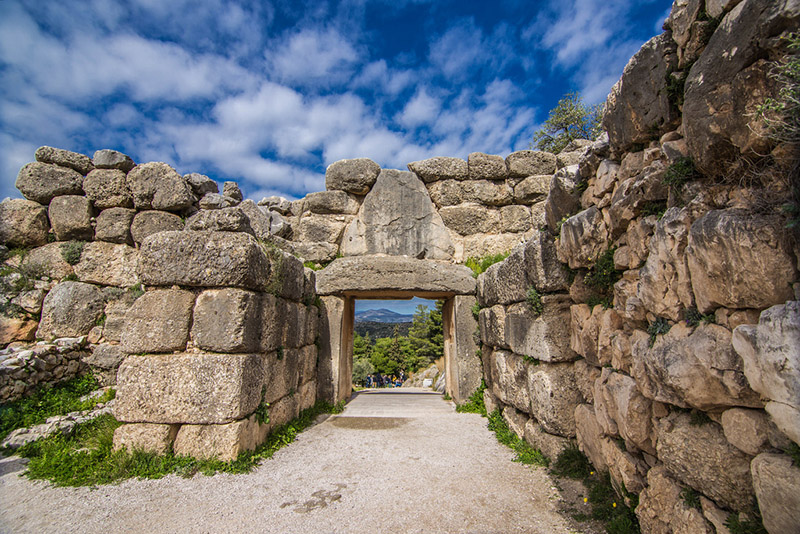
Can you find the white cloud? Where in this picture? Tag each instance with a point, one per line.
(313, 56)
(421, 109)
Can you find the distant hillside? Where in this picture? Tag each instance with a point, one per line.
(378, 330)
(382, 316)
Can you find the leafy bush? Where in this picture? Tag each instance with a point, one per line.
(571, 119)
(71, 251)
(479, 265)
(475, 403)
(602, 275)
(534, 300)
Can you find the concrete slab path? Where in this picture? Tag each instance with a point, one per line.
(396, 461)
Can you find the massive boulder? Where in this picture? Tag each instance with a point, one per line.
(108, 188)
(563, 199)
(352, 175)
(526, 163)
(149, 222)
(638, 106)
(486, 167)
(439, 168)
(398, 218)
(157, 186)
(107, 264)
(41, 182)
(158, 322)
(622, 410)
(70, 309)
(545, 336)
(584, 237)
(554, 395)
(71, 218)
(23, 223)
(662, 509)
(776, 480)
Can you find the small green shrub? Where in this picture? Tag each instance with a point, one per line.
(476, 311)
(136, 291)
(793, 450)
(676, 86)
(602, 275)
(699, 418)
(279, 352)
(680, 172)
(657, 208)
(690, 498)
(479, 265)
(694, 317)
(71, 277)
(572, 463)
(658, 327)
(605, 301)
(262, 412)
(749, 525)
(524, 453)
(534, 300)
(475, 403)
(71, 251)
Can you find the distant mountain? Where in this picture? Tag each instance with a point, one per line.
(382, 316)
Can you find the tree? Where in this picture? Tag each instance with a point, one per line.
(571, 119)
(362, 351)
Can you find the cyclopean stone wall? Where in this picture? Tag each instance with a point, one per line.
(689, 379)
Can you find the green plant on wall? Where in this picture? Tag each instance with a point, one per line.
(534, 300)
(571, 119)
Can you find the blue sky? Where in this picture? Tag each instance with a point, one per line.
(270, 93)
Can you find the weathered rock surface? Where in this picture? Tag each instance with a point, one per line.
(104, 361)
(158, 321)
(747, 430)
(203, 259)
(231, 190)
(41, 182)
(111, 159)
(562, 198)
(590, 436)
(504, 282)
(331, 202)
(542, 268)
(493, 326)
(486, 167)
(771, 355)
(201, 184)
(70, 309)
(71, 218)
(114, 225)
(146, 223)
(107, 264)
(544, 337)
(220, 442)
(398, 218)
(145, 437)
(49, 260)
(221, 220)
(228, 320)
(394, 273)
(638, 104)
(738, 260)
(526, 163)
(776, 481)
(440, 168)
(622, 410)
(194, 388)
(454, 192)
(23, 223)
(662, 509)
(700, 456)
(108, 188)
(64, 158)
(313, 228)
(532, 188)
(510, 379)
(633, 195)
(352, 175)
(551, 446)
(470, 218)
(584, 238)
(693, 368)
(157, 186)
(554, 395)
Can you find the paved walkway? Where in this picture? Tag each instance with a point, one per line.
(395, 461)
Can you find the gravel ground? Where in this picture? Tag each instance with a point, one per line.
(390, 463)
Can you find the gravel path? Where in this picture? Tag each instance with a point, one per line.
(392, 462)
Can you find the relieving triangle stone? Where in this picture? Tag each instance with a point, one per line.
(398, 218)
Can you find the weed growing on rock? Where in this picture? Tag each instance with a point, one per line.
(602, 275)
(658, 327)
(680, 172)
(698, 418)
(475, 403)
(690, 498)
(476, 310)
(605, 301)
(657, 208)
(793, 450)
(747, 525)
(572, 463)
(534, 300)
(71, 251)
(694, 317)
(479, 265)
(525, 453)
(136, 291)
(45, 402)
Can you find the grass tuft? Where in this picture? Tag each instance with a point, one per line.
(524, 453)
(479, 265)
(572, 463)
(475, 403)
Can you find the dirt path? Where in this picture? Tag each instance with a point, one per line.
(399, 462)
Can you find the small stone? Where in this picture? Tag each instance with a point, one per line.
(111, 159)
(64, 158)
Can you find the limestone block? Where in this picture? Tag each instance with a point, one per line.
(583, 332)
(281, 373)
(480, 245)
(533, 188)
(554, 395)
(626, 297)
(316, 252)
(318, 228)
(510, 379)
(625, 469)
(639, 99)
(70, 309)
(352, 175)
(397, 273)
(108, 264)
(307, 364)
(41, 182)
(525, 163)
(204, 259)
(48, 260)
(23, 223)
(776, 481)
(104, 361)
(489, 401)
(306, 396)
(665, 288)
(747, 430)
(284, 410)
(108, 188)
(147, 223)
(111, 159)
(158, 321)
(505, 282)
(330, 358)
(544, 337)
(464, 368)
(515, 420)
(470, 218)
(227, 320)
(331, 202)
(724, 89)
(542, 268)
(566, 157)
(31, 300)
(64, 158)
(549, 445)
(71, 218)
(114, 225)
(219, 442)
(515, 218)
(584, 238)
(293, 323)
(398, 218)
(492, 321)
(562, 198)
(634, 194)
(701, 457)
(116, 309)
(214, 201)
(446, 192)
(156, 186)
(222, 220)
(17, 329)
(439, 168)
(145, 437)
(287, 277)
(454, 192)
(196, 388)
(662, 510)
(638, 237)
(585, 377)
(606, 177)
(695, 368)
(715, 8)
(622, 410)
(771, 355)
(590, 437)
(486, 167)
(231, 190)
(740, 260)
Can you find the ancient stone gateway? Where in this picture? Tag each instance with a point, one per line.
(398, 277)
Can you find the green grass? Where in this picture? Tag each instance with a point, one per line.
(690, 498)
(86, 458)
(479, 265)
(45, 402)
(475, 403)
(525, 454)
(680, 172)
(694, 317)
(572, 463)
(750, 525)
